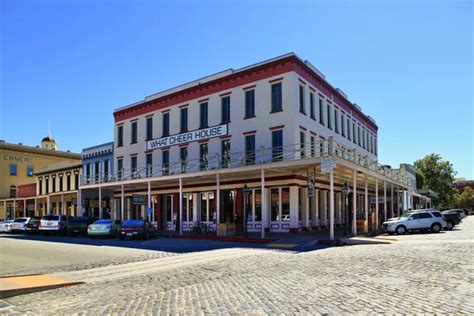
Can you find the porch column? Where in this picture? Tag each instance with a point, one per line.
(305, 208)
(294, 220)
(264, 203)
(100, 203)
(331, 205)
(384, 200)
(5, 209)
(366, 206)
(398, 201)
(196, 205)
(354, 202)
(315, 209)
(180, 205)
(376, 203)
(24, 207)
(218, 201)
(122, 205)
(391, 200)
(148, 205)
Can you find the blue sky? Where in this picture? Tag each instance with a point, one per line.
(407, 63)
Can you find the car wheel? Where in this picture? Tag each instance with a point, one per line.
(449, 225)
(401, 230)
(436, 228)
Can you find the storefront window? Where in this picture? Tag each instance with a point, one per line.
(275, 203)
(258, 205)
(285, 204)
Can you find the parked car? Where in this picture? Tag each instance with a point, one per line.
(452, 219)
(6, 226)
(104, 228)
(78, 225)
(416, 220)
(460, 212)
(53, 224)
(137, 228)
(32, 227)
(467, 211)
(19, 224)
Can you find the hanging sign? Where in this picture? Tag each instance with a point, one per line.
(139, 199)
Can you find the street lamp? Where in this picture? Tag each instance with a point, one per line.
(345, 193)
(246, 192)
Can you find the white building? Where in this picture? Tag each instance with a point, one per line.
(267, 126)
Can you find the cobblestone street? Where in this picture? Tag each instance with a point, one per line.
(418, 273)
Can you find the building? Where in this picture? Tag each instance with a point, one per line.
(278, 127)
(18, 166)
(97, 166)
(462, 183)
(411, 199)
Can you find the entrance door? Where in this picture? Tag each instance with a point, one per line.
(280, 209)
(254, 210)
(188, 214)
(208, 211)
(228, 206)
(169, 221)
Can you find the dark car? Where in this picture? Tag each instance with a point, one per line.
(33, 225)
(137, 228)
(452, 219)
(467, 211)
(78, 225)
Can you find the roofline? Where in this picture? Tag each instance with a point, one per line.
(40, 151)
(97, 146)
(60, 168)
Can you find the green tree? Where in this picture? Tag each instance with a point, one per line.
(466, 198)
(437, 175)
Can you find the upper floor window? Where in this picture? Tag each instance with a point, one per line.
(329, 116)
(29, 171)
(277, 97)
(358, 135)
(53, 184)
(250, 149)
(133, 165)
(76, 181)
(120, 136)
(203, 115)
(183, 156)
(46, 185)
(336, 121)
(149, 164)
(203, 156)
(225, 109)
(165, 162)
(106, 169)
(184, 120)
(302, 100)
(61, 184)
(149, 128)
(249, 103)
(166, 124)
(120, 168)
(68, 182)
(375, 146)
(40, 186)
(302, 144)
(349, 129)
(311, 106)
(13, 192)
(343, 125)
(321, 111)
(225, 152)
(13, 170)
(134, 136)
(277, 145)
(354, 134)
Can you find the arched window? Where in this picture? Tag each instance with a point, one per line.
(13, 191)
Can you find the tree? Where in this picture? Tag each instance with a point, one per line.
(466, 198)
(438, 176)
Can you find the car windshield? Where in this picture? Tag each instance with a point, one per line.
(103, 221)
(133, 223)
(79, 220)
(51, 218)
(406, 215)
(20, 220)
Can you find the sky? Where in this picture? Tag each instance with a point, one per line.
(408, 64)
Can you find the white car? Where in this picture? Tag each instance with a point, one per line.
(6, 226)
(53, 223)
(415, 220)
(19, 224)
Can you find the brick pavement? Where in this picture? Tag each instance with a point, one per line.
(422, 273)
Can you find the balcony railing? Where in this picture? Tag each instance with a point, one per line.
(326, 148)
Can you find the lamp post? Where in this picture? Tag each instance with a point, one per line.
(246, 192)
(345, 193)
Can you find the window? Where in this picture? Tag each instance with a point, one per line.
(68, 182)
(375, 146)
(225, 152)
(363, 138)
(149, 128)
(249, 103)
(40, 186)
(277, 145)
(13, 170)
(106, 170)
(46, 185)
(88, 173)
(311, 106)
(134, 132)
(358, 135)
(313, 146)
(183, 156)
(343, 125)
(165, 162)
(250, 149)
(184, 120)
(354, 135)
(166, 124)
(302, 103)
(76, 181)
(275, 204)
(119, 169)
(302, 144)
(321, 111)
(149, 164)
(280, 204)
(329, 116)
(13, 192)
(366, 140)
(29, 171)
(60, 184)
(349, 129)
(277, 102)
(120, 136)
(203, 159)
(133, 166)
(53, 184)
(336, 121)
(225, 108)
(203, 114)
(97, 171)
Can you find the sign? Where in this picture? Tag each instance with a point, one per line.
(17, 159)
(139, 199)
(200, 134)
(311, 186)
(327, 164)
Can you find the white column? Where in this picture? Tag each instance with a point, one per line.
(48, 206)
(354, 202)
(264, 203)
(331, 205)
(122, 205)
(398, 201)
(196, 205)
(218, 201)
(376, 203)
(101, 215)
(366, 206)
(294, 220)
(384, 200)
(148, 205)
(391, 200)
(180, 205)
